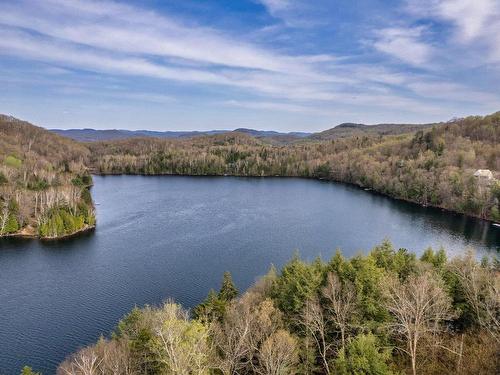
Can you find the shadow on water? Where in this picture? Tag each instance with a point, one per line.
(473, 230)
(76, 242)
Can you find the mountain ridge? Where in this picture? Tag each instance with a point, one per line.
(339, 131)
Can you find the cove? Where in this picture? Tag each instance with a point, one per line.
(160, 237)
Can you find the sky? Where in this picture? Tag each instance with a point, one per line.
(280, 65)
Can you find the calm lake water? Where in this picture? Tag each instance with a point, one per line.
(160, 237)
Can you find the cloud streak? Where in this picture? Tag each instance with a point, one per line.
(133, 43)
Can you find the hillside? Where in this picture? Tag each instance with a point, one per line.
(351, 129)
(432, 167)
(93, 135)
(43, 182)
(44, 179)
(340, 131)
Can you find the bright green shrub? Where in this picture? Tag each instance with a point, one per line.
(13, 162)
(363, 356)
(12, 225)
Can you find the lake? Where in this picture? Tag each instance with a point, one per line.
(160, 237)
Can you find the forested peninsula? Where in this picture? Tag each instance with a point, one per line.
(45, 178)
(44, 183)
(385, 313)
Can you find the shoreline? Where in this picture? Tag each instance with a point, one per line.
(89, 228)
(32, 236)
(365, 188)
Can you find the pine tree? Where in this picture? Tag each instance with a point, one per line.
(228, 290)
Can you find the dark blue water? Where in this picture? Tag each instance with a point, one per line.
(160, 237)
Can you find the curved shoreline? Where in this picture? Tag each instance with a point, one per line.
(89, 228)
(366, 188)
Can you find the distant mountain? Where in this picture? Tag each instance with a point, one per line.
(93, 135)
(349, 129)
(271, 133)
(340, 131)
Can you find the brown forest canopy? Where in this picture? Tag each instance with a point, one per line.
(431, 166)
(43, 181)
(44, 177)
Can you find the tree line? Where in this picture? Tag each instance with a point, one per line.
(432, 167)
(44, 178)
(384, 313)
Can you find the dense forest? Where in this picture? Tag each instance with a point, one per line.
(44, 183)
(44, 178)
(432, 166)
(384, 313)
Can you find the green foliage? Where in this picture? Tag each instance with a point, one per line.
(86, 196)
(84, 180)
(214, 306)
(12, 161)
(38, 184)
(367, 280)
(228, 290)
(322, 171)
(363, 356)
(12, 225)
(221, 338)
(137, 330)
(211, 309)
(28, 371)
(297, 282)
(3, 179)
(60, 221)
(438, 259)
(401, 262)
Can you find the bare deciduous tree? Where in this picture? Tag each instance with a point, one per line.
(84, 362)
(278, 354)
(481, 287)
(419, 306)
(315, 323)
(247, 323)
(342, 303)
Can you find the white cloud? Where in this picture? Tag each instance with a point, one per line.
(121, 40)
(275, 6)
(476, 23)
(127, 29)
(405, 44)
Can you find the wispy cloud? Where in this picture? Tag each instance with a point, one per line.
(276, 6)
(126, 42)
(127, 29)
(476, 24)
(405, 44)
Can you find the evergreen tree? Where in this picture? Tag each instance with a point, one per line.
(212, 308)
(363, 357)
(228, 290)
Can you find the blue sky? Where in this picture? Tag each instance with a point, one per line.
(266, 64)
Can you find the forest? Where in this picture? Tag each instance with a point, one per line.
(382, 313)
(44, 182)
(433, 166)
(44, 178)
